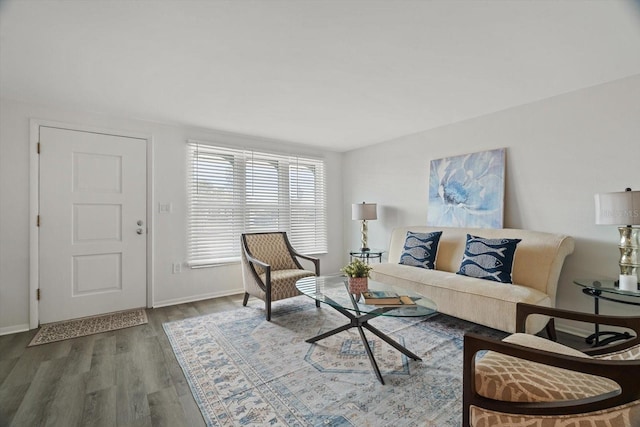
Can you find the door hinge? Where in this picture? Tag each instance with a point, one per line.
(38, 221)
(38, 294)
(38, 148)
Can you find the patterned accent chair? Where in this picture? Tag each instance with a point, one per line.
(529, 381)
(270, 268)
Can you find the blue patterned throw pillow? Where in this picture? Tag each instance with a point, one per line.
(490, 259)
(420, 249)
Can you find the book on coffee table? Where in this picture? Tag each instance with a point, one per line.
(386, 298)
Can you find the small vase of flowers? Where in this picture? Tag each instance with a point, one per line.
(358, 273)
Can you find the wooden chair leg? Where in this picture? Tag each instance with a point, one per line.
(550, 329)
(267, 307)
(246, 299)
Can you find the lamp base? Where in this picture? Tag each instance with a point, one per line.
(629, 257)
(363, 239)
(627, 282)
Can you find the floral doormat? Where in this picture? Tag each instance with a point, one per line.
(245, 371)
(52, 332)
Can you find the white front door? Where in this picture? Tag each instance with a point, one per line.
(92, 234)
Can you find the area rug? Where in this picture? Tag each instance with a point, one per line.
(52, 332)
(244, 371)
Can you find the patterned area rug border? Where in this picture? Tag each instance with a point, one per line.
(75, 328)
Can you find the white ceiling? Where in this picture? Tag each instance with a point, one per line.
(332, 74)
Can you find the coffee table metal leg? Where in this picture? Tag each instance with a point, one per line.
(365, 343)
(356, 321)
(329, 333)
(359, 322)
(391, 342)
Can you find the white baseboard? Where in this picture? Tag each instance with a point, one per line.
(175, 301)
(14, 329)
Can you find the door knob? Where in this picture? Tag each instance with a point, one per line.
(139, 231)
(140, 222)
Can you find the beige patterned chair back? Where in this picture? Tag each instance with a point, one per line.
(530, 381)
(272, 249)
(511, 379)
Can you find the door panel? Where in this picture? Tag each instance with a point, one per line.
(93, 274)
(92, 197)
(97, 223)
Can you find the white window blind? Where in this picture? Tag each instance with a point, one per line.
(232, 191)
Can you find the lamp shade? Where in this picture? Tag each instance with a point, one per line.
(620, 208)
(364, 211)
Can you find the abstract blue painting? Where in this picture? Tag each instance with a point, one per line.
(467, 190)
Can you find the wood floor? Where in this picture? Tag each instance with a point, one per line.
(128, 377)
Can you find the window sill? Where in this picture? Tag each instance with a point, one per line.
(213, 263)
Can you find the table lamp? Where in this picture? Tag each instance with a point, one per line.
(363, 212)
(623, 209)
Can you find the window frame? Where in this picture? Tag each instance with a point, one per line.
(290, 211)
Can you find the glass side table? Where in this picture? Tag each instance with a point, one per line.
(366, 255)
(608, 291)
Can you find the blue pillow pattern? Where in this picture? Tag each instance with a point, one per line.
(420, 249)
(490, 259)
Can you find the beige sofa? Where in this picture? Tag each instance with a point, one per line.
(536, 269)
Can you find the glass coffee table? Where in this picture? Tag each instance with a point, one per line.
(333, 291)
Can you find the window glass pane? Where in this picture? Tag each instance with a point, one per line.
(307, 197)
(262, 196)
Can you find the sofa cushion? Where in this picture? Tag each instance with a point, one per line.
(420, 249)
(490, 259)
(481, 301)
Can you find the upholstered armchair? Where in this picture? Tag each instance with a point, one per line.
(270, 268)
(527, 380)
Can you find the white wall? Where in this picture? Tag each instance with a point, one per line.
(559, 153)
(169, 144)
